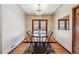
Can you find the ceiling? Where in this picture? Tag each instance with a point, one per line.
(47, 9)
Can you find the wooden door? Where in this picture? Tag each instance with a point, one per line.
(75, 30)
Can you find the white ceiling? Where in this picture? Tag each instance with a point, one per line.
(47, 9)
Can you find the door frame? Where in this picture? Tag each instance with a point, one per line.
(73, 26)
(39, 21)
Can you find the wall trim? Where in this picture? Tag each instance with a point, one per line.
(73, 27)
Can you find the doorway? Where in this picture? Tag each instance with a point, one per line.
(75, 28)
(39, 27)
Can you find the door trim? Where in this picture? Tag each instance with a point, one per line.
(73, 26)
(40, 20)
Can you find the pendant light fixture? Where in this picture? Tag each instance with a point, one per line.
(39, 11)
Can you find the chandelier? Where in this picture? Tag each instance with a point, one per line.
(39, 11)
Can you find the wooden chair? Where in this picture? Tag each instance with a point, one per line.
(28, 35)
(49, 36)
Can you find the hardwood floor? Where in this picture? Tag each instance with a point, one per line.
(24, 47)
(20, 49)
(58, 49)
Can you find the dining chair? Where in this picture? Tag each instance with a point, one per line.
(50, 33)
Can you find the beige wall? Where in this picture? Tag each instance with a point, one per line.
(64, 37)
(49, 18)
(14, 26)
(0, 29)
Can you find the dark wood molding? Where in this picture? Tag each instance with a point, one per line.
(73, 25)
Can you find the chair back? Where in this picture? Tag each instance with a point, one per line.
(49, 35)
(29, 33)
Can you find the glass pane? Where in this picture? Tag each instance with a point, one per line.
(36, 32)
(36, 27)
(43, 32)
(43, 24)
(36, 24)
